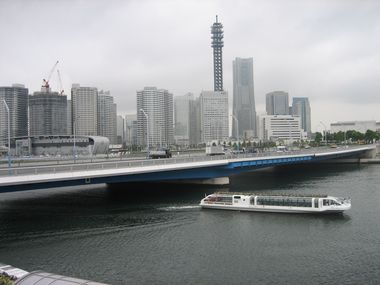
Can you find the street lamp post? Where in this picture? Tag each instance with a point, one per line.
(237, 130)
(345, 139)
(129, 138)
(74, 133)
(74, 147)
(9, 138)
(325, 131)
(159, 127)
(147, 131)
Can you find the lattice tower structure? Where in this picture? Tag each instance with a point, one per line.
(217, 45)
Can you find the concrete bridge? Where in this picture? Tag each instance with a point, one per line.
(197, 169)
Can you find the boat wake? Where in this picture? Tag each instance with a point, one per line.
(179, 208)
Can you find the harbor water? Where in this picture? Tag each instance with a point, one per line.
(157, 234)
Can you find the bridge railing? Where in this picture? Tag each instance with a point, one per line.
(78, 167)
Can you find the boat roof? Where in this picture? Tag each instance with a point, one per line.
(273, 194)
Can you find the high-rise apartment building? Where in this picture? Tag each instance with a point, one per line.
(182, 118)
(213, 115)
(217, 45)
(47, 113)
(244, 108)
(84, 101)
(157, 121)
(16, 98)
(120, 130)
(301, 108)
(277, 103)
(106, 116)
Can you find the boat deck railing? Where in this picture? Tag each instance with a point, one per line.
(273, 194)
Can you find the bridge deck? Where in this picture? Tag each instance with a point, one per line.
(199, 167)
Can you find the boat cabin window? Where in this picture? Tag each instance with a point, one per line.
(219, 200)
(285, 201)
(237, 197)
(328, 202)
(316, 203)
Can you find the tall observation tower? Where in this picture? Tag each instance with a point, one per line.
(217, 45)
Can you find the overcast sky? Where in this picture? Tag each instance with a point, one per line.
(328, 50)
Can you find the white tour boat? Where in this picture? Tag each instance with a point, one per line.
(283, 203)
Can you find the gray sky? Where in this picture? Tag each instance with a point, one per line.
(328, 50)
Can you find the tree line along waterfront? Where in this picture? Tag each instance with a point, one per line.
(349, 136)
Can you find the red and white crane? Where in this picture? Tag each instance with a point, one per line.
(45, 82)
(61, 91)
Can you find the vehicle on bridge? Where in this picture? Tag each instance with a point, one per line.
(282, 203)
(215, 150)
(160, 153)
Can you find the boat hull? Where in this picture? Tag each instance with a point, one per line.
(295, 210)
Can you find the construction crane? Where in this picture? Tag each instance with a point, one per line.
(60, 83)
(45, 82)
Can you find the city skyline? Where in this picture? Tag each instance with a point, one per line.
(328, 52)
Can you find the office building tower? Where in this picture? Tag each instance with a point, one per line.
(195, 123)
(284, 128)
(213, 115)
(277, 103)
(16, 98)
(157, 122)
(120, 130)
(106, 116)
(131, 130)
(244, 109)
(47, 113)
(84, 102)
(301, 108)
(69, 118)
(182, 119)
(217, 45)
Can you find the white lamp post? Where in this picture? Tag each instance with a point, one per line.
(147, 131)
(9, 138)
(74, 132)
(325, 131)
(237, 130)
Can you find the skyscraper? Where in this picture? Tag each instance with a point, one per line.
(120, 132)
(195, 122)
(84, 102)
(217, 45)
(158, 106)
(277, 103)
(244, 100)
(301, 108)
(213, 115)
(47, 113)
(16, 98)
(106, 116)
(182, 118)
